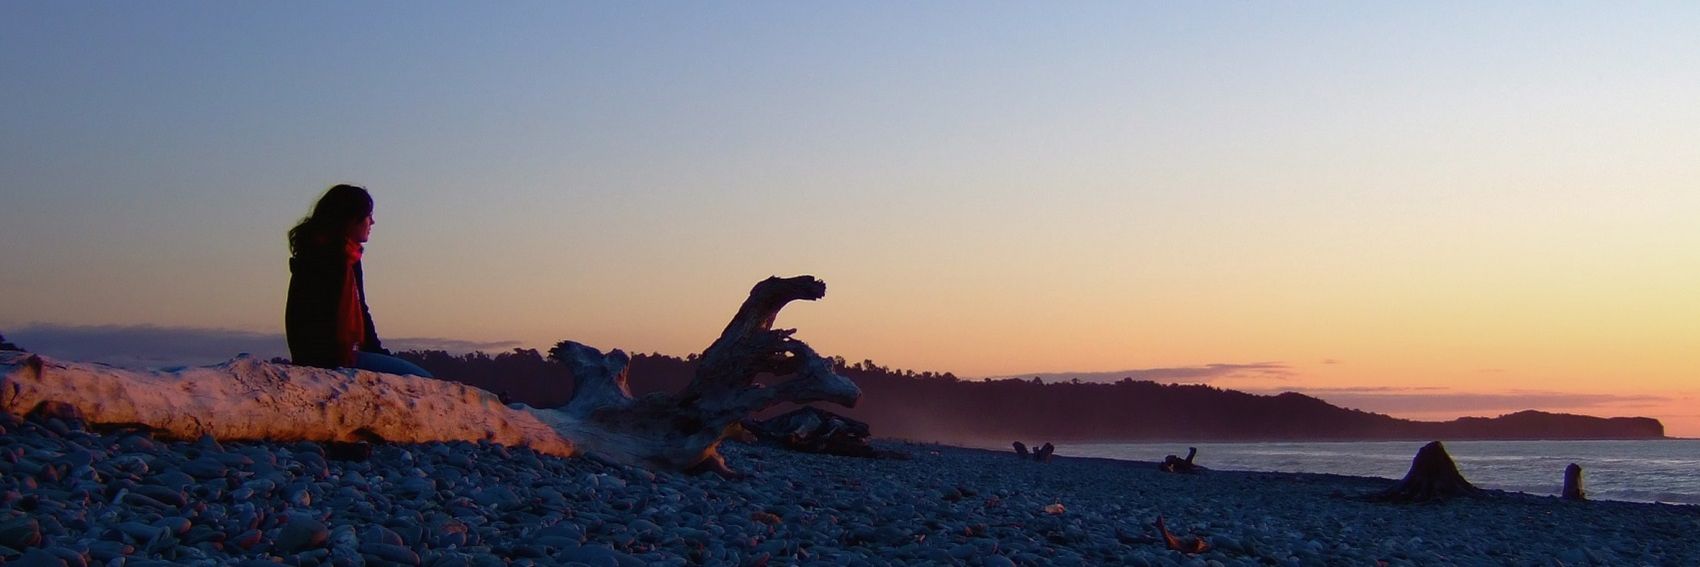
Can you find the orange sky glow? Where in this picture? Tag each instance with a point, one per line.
(1429, 211)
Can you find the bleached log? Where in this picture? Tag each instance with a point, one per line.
(250, 399)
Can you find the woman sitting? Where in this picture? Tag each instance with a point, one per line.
(326, 318)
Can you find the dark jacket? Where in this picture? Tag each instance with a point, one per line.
(316, 276)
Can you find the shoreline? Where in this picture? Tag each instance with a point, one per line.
(1376, 482)
(1648, 471)
(134, 500)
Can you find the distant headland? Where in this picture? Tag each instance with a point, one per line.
(932, 406)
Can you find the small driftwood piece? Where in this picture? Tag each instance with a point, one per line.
(1573, 483)
(1021, 450)
(1433, 477)
(1043, 454)
(809, 429)
(1175, 464)
(1190, 544)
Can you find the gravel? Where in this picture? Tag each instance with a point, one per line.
(69, 496)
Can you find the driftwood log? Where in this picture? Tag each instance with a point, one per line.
(684, 430)
(1175, 464)
(1043, 453)
(249, 399)
(1433, 477)
(1573, 483)
(809, 429)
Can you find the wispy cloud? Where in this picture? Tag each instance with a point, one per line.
(1397, 400)
(450, 345)
(150, 346)
(1204, 373)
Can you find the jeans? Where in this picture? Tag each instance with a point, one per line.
(387, 364)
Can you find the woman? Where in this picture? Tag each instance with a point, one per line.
(326, 318)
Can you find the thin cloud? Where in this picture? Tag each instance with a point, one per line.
(1203, 373)
(450, 345)
(1367, 389)
(151, 346)
(146, 346)
(1439, 400)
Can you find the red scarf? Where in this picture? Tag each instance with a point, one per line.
(351, 318)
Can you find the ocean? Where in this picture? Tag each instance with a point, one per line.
(1637, 471)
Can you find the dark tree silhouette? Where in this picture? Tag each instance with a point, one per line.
(935, 406)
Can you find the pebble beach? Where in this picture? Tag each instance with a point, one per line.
(76, 497)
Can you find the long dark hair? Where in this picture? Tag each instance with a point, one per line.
(340, 207)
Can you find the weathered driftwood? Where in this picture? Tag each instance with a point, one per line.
(1043, 453)
(1175, 464)
(1189, 544)
(1433, 476)
(813, 430)
(248, 399)
(1573, 483)
(684, 430)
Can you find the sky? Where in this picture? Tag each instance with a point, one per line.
(1427, 210)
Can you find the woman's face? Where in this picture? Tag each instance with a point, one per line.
(361, 231)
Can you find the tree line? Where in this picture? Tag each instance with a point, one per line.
(939, 406)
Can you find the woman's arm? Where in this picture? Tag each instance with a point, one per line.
(370, 342)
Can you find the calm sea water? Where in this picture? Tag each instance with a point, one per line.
(1637, 471)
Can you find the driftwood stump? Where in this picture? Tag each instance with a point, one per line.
(1573, 483)
(684, 430)
(1175, 464)
(1433, 477)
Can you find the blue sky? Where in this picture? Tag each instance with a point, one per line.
(1422, 191)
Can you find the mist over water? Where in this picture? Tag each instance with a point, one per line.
(1636, 471)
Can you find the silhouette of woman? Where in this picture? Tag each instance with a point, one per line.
(326, 318)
